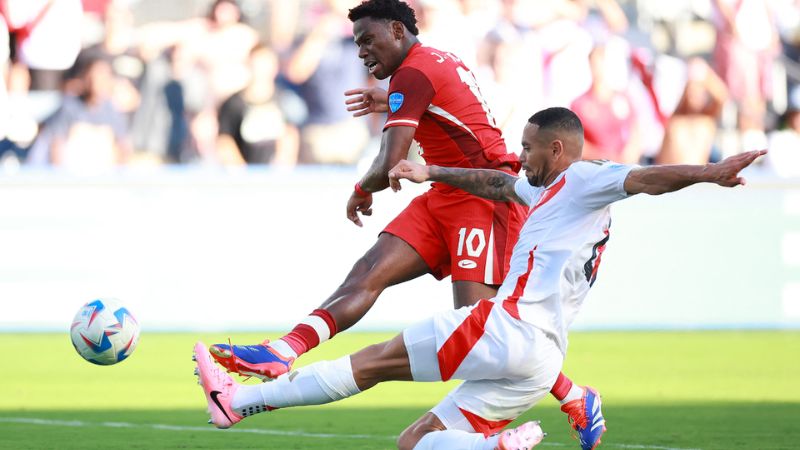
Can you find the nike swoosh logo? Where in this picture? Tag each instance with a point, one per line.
(214, 395)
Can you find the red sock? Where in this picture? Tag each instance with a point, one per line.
(315, 329)
(562, 387)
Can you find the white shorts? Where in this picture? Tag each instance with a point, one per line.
(508, 365)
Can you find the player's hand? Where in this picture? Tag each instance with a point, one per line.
(358, 204)
(363, 101)
(408, 170)
(726, 172)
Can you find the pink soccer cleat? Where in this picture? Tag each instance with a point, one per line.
(524, 437)
(218, 387)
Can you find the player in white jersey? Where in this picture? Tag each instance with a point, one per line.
(508, 349)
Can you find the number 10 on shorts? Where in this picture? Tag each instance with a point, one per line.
(472, 240)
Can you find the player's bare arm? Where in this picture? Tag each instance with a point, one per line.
(363, 101)
(486, 183)
(657, 180)
(394, 147)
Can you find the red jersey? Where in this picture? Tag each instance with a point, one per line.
(437, 94)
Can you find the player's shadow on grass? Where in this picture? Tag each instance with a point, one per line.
(763, 426)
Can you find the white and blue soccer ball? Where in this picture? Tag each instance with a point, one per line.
(104, 332)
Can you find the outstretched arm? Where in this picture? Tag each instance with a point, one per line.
(657, 180)
(486, 183)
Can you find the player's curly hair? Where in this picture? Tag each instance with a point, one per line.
(557, 118)
(386, 9)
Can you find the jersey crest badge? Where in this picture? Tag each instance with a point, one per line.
(395, 101)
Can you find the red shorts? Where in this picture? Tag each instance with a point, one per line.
(461, 235)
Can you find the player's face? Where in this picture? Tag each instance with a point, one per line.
(380, 45)
(535, 156)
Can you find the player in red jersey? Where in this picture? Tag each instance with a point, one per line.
(433, 98)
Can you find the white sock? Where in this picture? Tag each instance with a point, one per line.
(575, 393)
(318, 383)
(456, 439)
(283, 348)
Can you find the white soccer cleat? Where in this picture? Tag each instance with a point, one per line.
(524, 437)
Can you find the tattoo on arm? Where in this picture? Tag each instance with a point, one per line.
(486, 183)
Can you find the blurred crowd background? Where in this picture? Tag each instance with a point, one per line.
(94, 85)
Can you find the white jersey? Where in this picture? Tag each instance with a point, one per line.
(556, 258)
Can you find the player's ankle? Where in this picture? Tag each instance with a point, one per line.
(283, 348)
(575, 393)
(316, 328)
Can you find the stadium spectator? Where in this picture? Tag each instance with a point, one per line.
(784, 144)
(160, 127)
(746, 46)
(509, 348)
(47, 37)
(253, 127)
(208, 57)
(434, 99)
(438, 18)
(564, 44)
(224, 47)
(8, 149)
(607, 115)
(510, 75)
(323, 65)
(284, 18)
(692, 128)
(788, 24)
(87, 133)
(20, 123)
(118, 44)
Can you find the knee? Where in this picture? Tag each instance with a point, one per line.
(386, 361)
(407, 440)
(370, 366)
(365, 364)
(411, 436)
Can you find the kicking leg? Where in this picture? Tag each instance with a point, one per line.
(319, 383)
(390, 261)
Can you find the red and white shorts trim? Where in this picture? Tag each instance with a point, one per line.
(508, 365)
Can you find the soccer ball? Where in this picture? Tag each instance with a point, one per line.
(104, 332)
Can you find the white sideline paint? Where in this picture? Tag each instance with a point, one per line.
(158, 426)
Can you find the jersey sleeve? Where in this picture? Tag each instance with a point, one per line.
(410, 94)
(526, 192)
(603, 182)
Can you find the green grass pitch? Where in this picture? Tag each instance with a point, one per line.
(661, 391)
